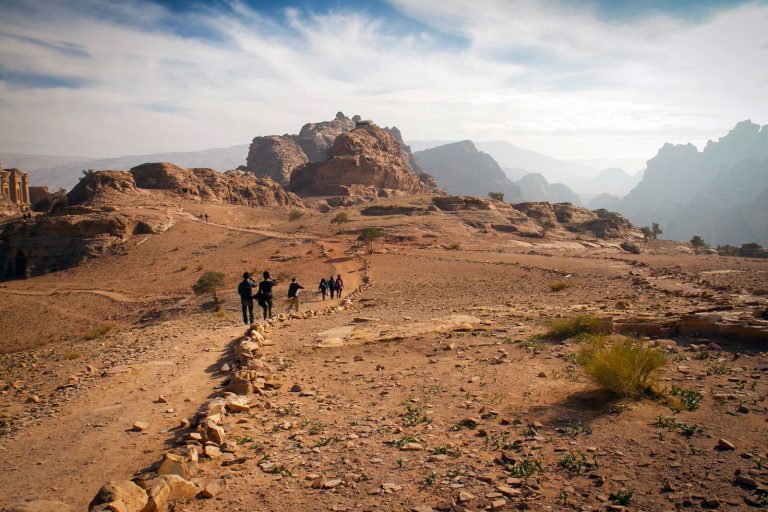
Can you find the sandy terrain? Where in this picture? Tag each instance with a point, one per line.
(438, 351)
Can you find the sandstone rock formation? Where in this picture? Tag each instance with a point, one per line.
(233, 187)
(535, 187)
(54, 242)
(275, 156)
(365, 161)
(534, 219)
(102, 185)
(315, 139)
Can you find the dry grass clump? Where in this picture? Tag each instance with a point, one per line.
(572, 326)
(557, 286)
(97, 332)
(621, 365)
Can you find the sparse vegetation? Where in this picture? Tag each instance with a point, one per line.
(689, 398)
(71, 355)
(496, 196)
(97, 332)
(454, 246)
(340, 218)
(525, 467)
(557, 286)
(656, 230)
(621, 365)
(577, 462)
(368, 236)
(209, 283)
(623, 497)
(295, 215)
(562, 328)
(698, 243)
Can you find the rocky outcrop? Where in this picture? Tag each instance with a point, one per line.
(460, 168)
(275, 156)
(315, 139)
(365, 161)
(410, 158)
(101, 186)
(233, 187)
(55, 242)
(536, 219)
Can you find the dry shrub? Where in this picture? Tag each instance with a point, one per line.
(621, 365)
(97, 332)
(575, 325)
(556, 286)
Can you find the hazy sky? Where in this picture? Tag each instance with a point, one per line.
(572, 79)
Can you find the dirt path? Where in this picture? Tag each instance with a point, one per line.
(115, 296)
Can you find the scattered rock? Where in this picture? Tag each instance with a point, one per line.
(214, 488)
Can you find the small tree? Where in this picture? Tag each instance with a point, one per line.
(295, 215)
(209, 283)
(697, 242)
(647, 233)
(340, 218)
(368, 236)
(656, 230)
(498, 196)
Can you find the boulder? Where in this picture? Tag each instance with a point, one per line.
(179, 488)
(275, 157)
(116, 493)
(175, 464)
(211, 431)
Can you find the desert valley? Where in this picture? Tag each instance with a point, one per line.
(452, 374)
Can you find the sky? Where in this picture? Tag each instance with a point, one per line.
(571, 79)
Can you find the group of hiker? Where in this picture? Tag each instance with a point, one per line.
(263, 295)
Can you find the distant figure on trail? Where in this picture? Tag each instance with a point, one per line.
(339, 285)
(245, 290)
(331, 285)
(206, 217)
(323, 288)
(293, 294)
(264, 296)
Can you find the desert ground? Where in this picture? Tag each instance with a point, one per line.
(432, 387)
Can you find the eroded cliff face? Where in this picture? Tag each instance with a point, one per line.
(315, 139)
(366, 160)
(275, 156)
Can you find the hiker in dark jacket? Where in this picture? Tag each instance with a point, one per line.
(265, 294)
(323, 288)
(339, 285)
(245, 290)
(293, 294)
(331, 285)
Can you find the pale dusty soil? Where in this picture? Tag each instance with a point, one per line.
(79, 435)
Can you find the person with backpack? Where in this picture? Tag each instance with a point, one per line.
(264, 294)
(293, 295)
(245, 290)
(323, 288)
(339, 285)
(331, 285)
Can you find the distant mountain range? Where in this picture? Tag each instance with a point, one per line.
(718, 193)
(460, 168)
(56, 171)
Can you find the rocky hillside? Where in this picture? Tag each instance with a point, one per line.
(459, 168)
(208, 185)
(727, 176)
(367, 161)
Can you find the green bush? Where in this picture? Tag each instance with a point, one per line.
(621, 365)
(209, 283)
(572, 326)
(340, 218)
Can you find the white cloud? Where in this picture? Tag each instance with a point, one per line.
(577, 86)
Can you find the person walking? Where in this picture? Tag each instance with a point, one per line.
(265, 294)
(323, 288)
(245, 290)
(331, 285)
(293, 295)
(339, 285)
